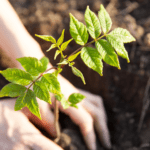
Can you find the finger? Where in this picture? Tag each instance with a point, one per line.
(84, 120)
(99, 122)
(39, 142)
(18, 133)
(47, 122)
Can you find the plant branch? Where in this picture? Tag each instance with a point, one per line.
(56, 114)
(86, 45)
(41, 75)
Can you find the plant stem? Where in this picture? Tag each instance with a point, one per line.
(56, 114)
(87, 45)
(41, 76)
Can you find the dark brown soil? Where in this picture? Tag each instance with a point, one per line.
(122, 90)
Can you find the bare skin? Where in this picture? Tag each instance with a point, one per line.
(16, 42)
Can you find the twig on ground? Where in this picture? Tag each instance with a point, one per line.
(146, 102)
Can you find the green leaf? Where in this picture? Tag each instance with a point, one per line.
(65, 44)
(32, 103)
(64, 62)
(93, 24)
(73, 57)
(105, 20)
(51, 82)
(92, 59)
(17, 76)
(107, 52)
(76, 98)
(61, 39)
(63, 101)
(41, 91)
(118, 46)
(51, 47)
(74, 105)
(20, 102)
(12, 90)
(78, 73)
(45, 62)
(78, 31)
(56, 54)
(121, 35)
(56, 72)
(47, 38)
(28, 99)
(31, 65)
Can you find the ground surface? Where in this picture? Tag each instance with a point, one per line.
(122, 90)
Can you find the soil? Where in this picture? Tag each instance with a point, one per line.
(124, 91)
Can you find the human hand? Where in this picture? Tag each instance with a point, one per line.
(18, 133)
(90, 113)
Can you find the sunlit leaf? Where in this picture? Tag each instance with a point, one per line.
(44, 62)
(76, 98)
(78, 31)
(61, 39)
(107, 52)
(51, 82)
(32, 103)
(74, 56)
(78, 73)
(41, 91)
(121, 35)
(51, 47)
(17, 76)
(56, 54)
(64, 62)
(92, 59)
(65, 44)
(92, 22)
(12, 90)
(105, 20)
(63, 101)
(118, 46)
(47, 38)
(31, 65)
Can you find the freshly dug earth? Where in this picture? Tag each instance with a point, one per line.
(123, 90)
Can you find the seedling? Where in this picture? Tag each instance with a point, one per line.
(34, 81)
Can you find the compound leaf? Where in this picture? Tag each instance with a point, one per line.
(51, 82)
(92, 59)
(44, 62)
(93, 24)
(105, 20)
(107, 52)
(74, 56)
(41, 91)
(65, 44)
(122, 35)
(12, 90)
(118, 46)
(31, 65)
(78, 31)
(17, 76)
(61, 39)
(76, 98)
(78, 73)
(47, 38)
